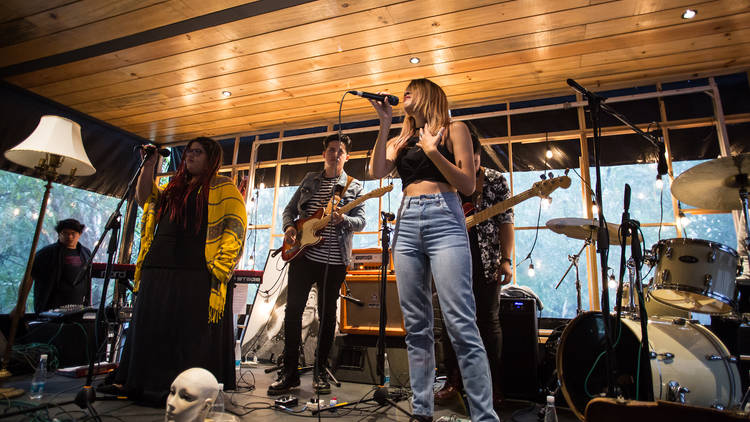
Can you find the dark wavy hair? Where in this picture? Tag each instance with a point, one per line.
(175, 196)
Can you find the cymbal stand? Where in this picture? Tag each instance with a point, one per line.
(574, 263)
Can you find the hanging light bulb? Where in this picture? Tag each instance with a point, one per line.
(531, 271)
(612, 283)
(659, 184)
(548, 154)
(251, 262)
(546, 203)
(594, 208)
(262, 185)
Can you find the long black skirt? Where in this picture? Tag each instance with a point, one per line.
(170, 333)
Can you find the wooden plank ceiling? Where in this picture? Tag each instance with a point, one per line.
(157, 68)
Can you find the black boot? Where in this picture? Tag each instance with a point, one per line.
(286, 382)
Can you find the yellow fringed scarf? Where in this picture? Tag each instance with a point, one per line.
(227, 221)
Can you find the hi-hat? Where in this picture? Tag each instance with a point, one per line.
(714, 184)
(583, 228)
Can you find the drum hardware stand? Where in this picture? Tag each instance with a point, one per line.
(574, 263)
(741, 181)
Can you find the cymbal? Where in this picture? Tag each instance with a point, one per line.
(583, 228)
(714, 184)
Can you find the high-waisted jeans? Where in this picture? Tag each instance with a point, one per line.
(431, 242)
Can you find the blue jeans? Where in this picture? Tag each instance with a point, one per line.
(431, 242)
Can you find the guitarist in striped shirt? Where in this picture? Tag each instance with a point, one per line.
(491, 245)
(309, 266)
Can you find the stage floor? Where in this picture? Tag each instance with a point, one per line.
(250, 402)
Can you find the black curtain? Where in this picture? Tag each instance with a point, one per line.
(110, 150)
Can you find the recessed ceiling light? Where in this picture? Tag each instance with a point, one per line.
(689, 14)
(226, 94)
(414, 60)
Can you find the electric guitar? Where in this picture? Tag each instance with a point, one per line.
(308, 229)
(542, 189)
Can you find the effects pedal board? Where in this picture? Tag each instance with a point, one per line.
(286, 401)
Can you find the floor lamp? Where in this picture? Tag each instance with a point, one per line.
(54, 149)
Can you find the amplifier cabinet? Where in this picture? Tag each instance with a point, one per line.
(365, 319)
(520, 357)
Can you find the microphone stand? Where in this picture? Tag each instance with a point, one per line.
(87, 394)
(381, 396)
(596, 105)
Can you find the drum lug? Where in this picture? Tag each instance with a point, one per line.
(717, 406)
(675, 393)
(668, 252)
(707, 284)
(665, 357)
(732, 359)
(665, 275)
(712, 255)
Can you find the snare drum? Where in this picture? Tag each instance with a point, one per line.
(653, 307)
(695, 275)
(688, 363)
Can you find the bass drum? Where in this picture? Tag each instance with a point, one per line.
(688, 363)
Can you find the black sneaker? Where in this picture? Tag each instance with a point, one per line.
(284, 384)
(321, 384)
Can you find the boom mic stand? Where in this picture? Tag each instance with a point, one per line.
(596, 105)
(87, 394)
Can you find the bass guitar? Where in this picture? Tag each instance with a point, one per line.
(541, 189)
(308, 229)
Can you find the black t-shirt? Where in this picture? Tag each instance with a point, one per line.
(67, 292)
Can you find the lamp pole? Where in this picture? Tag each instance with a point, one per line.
(48, 168)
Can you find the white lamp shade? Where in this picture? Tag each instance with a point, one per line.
(54, 135)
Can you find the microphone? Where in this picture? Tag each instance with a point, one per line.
(353, 300)
(391, 99)
(661, 166)
(388, 216)
(149, 148)
(627, 197)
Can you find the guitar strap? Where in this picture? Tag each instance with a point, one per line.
(340, 193)
(476, 197)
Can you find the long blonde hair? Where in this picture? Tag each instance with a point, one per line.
(429, 100)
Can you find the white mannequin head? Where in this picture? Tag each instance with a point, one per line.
(191, 396)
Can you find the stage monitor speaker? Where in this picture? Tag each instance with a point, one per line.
(365, 319)
(355, 359)
(520, 358)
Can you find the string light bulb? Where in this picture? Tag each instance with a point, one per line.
(251, 261)
(262, 185)
(659, 184)
(531, 271)
(548, 153)
(612, 283)
(546, 202)
(594, 208)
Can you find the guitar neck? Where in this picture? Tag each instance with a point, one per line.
(492, 211)
(348, 207)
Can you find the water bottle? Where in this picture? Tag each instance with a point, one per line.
(218, 407)
(237, 362)
(550, 414)
(40, 376)
(386, 372)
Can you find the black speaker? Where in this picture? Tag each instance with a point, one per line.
(520, 359)
(354, 359)
(73, 340)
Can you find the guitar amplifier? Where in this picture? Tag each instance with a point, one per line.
(520, 356)
(365, 319)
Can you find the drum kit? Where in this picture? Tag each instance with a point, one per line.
(688, 363)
